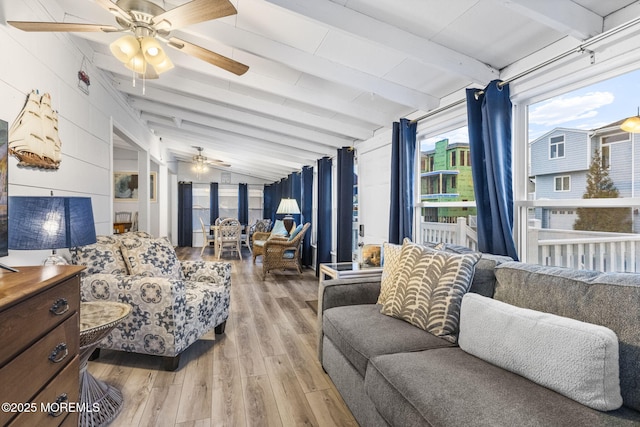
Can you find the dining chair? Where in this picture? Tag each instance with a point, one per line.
(206, 238)
(228, 235)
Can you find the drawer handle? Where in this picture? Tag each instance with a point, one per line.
(60, 307)
(55, 356)
(60, 399)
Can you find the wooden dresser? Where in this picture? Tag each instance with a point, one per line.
(39, 335)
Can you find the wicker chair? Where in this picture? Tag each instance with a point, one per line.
(283, 253)
(228, 234)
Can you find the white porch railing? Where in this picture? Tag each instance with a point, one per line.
(581, 250)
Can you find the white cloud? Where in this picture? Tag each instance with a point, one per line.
(566, 109)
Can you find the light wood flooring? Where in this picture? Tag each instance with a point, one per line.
(262, 371)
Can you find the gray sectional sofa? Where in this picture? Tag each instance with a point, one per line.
(392, 373)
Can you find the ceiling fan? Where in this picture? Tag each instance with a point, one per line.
(149, 23)
(199, 159)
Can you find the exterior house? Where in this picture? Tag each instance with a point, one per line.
(560, 161)
(445, 176)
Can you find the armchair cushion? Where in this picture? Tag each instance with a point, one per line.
(295, 232)
(151, 257)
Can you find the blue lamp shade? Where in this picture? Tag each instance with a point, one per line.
(50, 222)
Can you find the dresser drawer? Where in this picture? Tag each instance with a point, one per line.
(25, 322)
(25, 375)
(64, 388)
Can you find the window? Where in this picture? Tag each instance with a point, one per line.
(462, 158)
(562, 183)
(468, 158)
(453, 158)
(606, 157)
(453, 182)
(556, 147)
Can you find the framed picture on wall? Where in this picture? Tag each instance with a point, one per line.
(125, 186)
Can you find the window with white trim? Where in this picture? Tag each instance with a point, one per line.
(556, 147)
(562, 183)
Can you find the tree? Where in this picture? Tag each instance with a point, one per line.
(601, 186)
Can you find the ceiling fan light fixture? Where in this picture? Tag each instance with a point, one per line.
(137, 64)
(632, 124)
(152, 51)
(165, 65)
(125, 48)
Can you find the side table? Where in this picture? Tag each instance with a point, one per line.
(97, 319)
(351, 270)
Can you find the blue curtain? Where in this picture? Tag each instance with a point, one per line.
(403, 152)
(277, 195)
(344, 243)
(243, 204)
(185, 214)
(214, 206)
(323, 254)
(267, 202)
(306, 207)
(489, 121)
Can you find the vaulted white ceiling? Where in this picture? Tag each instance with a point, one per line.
(324, 74)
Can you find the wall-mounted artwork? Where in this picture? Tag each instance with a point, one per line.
(33, 136)
(125, 186)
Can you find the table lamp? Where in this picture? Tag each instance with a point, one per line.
(288, 207)
(37, 223)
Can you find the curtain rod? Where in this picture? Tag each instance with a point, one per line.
(579, 49)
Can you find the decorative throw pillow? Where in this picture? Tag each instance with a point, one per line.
(279, 228)
(99, 258)
(576, 359)
(429, 289)
(295, 232)
(151, 257)
(390, 269)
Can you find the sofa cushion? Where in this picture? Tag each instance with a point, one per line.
(430, 287)
(151, 257)
(390, 269)
(448, 387)
(577, 359)
(360, 332)
(99, 258)
(607, 299)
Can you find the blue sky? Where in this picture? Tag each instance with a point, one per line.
(588, 108)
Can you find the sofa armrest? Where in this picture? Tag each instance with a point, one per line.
(218, 273)
(342, 292)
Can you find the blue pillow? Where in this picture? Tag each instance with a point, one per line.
(279, 228)
(295, 232)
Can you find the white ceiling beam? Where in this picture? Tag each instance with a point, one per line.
(563, 16)
(277, 139)
(281, 154)
(249, 165)
(227, 97)
(197, 105)
(353, 22)
(315, 98)
(311, 64)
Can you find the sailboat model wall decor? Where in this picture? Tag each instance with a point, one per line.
(33, 136)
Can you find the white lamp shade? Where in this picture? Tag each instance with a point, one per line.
(288, 206)
(125, 48)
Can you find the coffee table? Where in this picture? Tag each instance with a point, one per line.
(351, 270)
(101, 400)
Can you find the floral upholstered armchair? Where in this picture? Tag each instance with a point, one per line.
(173, 302)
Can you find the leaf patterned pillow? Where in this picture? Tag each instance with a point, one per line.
(151, 257)
(429, 289)
(390, 268)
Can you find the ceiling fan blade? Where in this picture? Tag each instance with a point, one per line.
(216, 59)
(193, 12)
(61, 27)
(114, 9)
